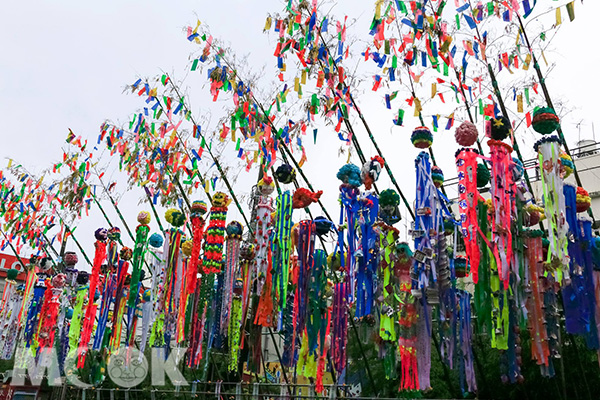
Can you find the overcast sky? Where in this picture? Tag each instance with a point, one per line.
(64, 64)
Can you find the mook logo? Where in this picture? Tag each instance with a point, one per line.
(126, 367)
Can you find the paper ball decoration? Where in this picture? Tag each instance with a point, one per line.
(144, 217)
(421, 137)
(466, 134)
(156, 240)
(545, 120)
(350, 175)
(567, 165)
(517, 169)
(404, 254)
(266, 186)
(234, 229)
(147, 296)
(437, 175)
(58, 281)
(389, 197)
(11, 274)
(83, 277)
(70, 258)
(126, 253)
(285, 173)
(101, 234)
(199, 208)
(175, 217)
(69, 313)
(533, 215)
(584, 201)
(186, 248)
(247, 251)
(323, 226)
(114, 233)
(499, 128)
(460, 266)
(483, 175)
(371, 170)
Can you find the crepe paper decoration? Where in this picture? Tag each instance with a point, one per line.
(466, 134)
(584, 201)
(545, 120)
(339, 329)
(367, 261)
(109, 286)
(502, 191)
(90, 312)
(535, 300)
(198, 210)
(578, 293)
(427, 223)
(231, 273)
(548, 149)
(281, 247)
(421, 138)
(215, 234)
(371, 170)
(303, 198)
(264, 208)
(285, 174)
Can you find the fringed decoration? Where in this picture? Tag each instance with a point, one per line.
(502, 194)
(281, 247)
(367, 256)
(550, 165)
(339, 330)
(468, 194)
(90, 311)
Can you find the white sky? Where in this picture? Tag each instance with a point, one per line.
(64, 65)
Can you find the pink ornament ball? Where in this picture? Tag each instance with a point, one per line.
(466, 134)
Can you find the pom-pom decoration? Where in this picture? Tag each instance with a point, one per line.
(303, 198)
(101, 234)
(498, 128)
(460, 266)
(70, 258)
(389, 197)
(566, 165)
(466, 134)
(83, 278)
(350, 175)
(421, 137)
(483, 175)
(156, 240)
(175, 217)
(234, 229)
(144, 217)
(186, 248)
(545, 120)
(388, 206)
(517, 169)
(11, 274)
(220, 199)
(584, 201)
(285, 174)
(437, 175)
(126, 253)
(371, 170)
(266, 186)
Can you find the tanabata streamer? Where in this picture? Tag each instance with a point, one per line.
(466, 163)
